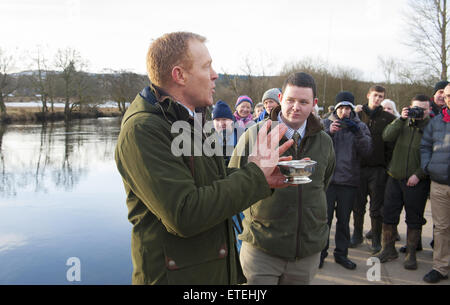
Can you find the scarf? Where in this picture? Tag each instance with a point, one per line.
(243, 122)
(446, 115)
(372, 113)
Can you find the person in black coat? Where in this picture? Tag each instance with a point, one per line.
(351, 141)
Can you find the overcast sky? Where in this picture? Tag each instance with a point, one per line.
(269, 33)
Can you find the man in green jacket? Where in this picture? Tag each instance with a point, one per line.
(407, 186)
(285, 233)
(181, 199)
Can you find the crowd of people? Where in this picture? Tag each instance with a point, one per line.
(377, 151)
(232, 218)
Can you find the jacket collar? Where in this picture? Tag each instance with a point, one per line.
(153, 99)
(372, 113)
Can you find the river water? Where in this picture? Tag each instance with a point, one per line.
(63, 217)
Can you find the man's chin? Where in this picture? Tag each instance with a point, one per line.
(205, 103)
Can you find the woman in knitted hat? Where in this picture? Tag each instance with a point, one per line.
(243, 113)
(270, 100)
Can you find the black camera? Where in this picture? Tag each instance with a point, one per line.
(415, 113)
(342, 124)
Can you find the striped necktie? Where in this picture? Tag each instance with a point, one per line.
(297, 138)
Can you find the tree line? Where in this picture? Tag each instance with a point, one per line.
(81, 90)
(64, 78)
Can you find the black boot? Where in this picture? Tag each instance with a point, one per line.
(388, 251)
(357, 237)
(419, 246)
(412, 239)
(376, 234)
(396, 235)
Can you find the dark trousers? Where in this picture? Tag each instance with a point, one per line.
(373, 183)
(340, 198)
(413, 199)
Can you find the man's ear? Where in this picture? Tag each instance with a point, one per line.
(179, 75)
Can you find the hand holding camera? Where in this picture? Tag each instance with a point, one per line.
(335, 127)
(413, 113)
(350, 124)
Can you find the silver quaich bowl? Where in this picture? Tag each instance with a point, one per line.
(297, 171)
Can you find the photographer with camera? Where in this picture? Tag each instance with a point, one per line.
(351, 141)
(407, 184)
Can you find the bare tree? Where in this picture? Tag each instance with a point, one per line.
(253, 81)
(122, 87)
(43, 80)
(428, 25)
(389, 66)
(68, 60)
(6, 81)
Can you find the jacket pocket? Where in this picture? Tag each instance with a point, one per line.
(275, 207)
(315, 217)
(315, 224)
(197, 260)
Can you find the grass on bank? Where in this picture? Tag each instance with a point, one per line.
(34, 114)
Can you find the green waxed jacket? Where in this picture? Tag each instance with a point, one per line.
(406, 156)
(292, 223)
(180, 207)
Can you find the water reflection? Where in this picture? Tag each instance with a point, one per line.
(60, 197)
(11, 241)
(53, 155)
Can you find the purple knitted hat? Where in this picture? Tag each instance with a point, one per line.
(243, 98)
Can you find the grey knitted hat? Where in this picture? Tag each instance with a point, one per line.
(271, 94)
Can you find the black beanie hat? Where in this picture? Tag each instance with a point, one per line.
(440, 85)
(345, 98)
(222, 111)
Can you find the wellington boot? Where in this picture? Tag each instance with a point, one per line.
(419, 246)
(412, 239)
(396, 235)
(388, 251)
(376, 234)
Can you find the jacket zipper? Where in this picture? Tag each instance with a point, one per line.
(409, 149)
(299, 189)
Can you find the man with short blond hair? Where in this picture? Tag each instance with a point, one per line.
(168, 51)
(181, 205)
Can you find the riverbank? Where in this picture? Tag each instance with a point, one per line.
(35, 114)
